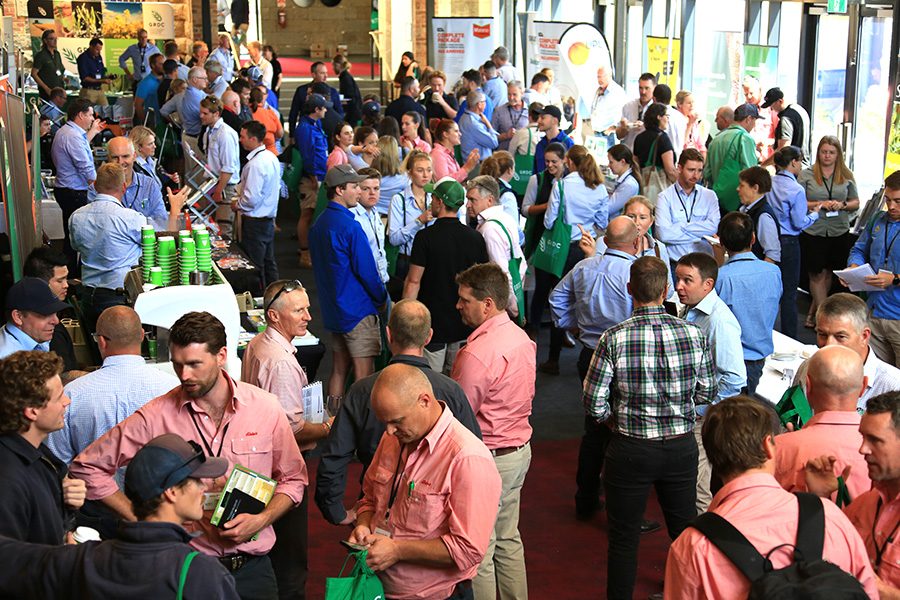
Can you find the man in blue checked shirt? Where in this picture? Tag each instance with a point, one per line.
(475, 129)
(645, 380)
(139, 55)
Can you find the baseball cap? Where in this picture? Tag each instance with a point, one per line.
(165, 461)
(550, 110)
(314, 101)
(255, 74)
(772, 96)
(449, 191)
(746, 110)
(371, 109)
(35, 295)
(170, 65)
(341, 174)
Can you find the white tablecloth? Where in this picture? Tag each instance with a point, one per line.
(778, 375)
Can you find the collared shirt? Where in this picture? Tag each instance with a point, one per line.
(751, 288)
(350, 288)
(146, 89)
(445, 164)
(337, 156)
(261, 178)
(676, 130)
(299, 100)
(488, 107)
(140, 59)
(508, 72)
(174, 105)
(649, 372)
(50, 69)
(223, 151)
(104, 398)
(768, 517)
(626, 186)
(788, 201)
(593, 296)
(525, 140)
(764, 132)
(108, 235)
(356, 432)
(31, 499)
(880, 378)
(183, 70)
(270, 364)
(224, 57)
(218, 86)
(720, 149)
(724, 334)
(450, 490)
(190, 110)
(253, 433)
(267, 71)
(581, 205)
(633, 111)
(829, 224)
(403, 219)
(654, 248)
(539, 163)
(508, 117)
(73, 158)
(144, 196)
(496, 369)
(474, 134)
(606, 107)
(374, 230)
(683, 219)
(13, 339)
(390, 186)
(90, 66)
(499, 248)
(834, 433)
(496, 89)
(875, 516)
(876, 247)
(313, 146)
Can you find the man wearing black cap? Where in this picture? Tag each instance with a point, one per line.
(312, 143)
(164, 482)
(351, 292)
(548, 123)
(31, 308)
(737, 145)
(793, 125)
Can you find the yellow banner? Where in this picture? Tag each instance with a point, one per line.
(892, 160)
(663, 58)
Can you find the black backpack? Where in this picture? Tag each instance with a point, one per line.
(808, 578)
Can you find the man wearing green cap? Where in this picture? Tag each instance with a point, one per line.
(439, 252)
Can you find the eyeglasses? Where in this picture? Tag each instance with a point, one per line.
(288, 287)
(96, 337)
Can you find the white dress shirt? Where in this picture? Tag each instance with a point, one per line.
(222, 151)
(261, 179)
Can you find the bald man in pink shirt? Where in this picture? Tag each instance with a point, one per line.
(739, 436)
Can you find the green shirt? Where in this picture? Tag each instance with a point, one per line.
(829, 224)
(736, 144)
(50, 70)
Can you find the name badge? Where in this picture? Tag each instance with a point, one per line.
(383, 532)
(832, 213)
(210, 500)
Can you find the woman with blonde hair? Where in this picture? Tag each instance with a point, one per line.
(393, 178)
(409, 209)
(348, 88)
(697, 128)
(144, 141)
(825, 245)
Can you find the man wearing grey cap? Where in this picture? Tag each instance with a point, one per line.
(351, 292)
(31, 308)
(737, 145)
(151, 558)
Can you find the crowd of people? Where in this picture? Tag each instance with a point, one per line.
(431, 252)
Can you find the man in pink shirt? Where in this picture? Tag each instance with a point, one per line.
(270, 364)
(227, 418)
(739, 436)
(496, 369)
(834, 383)
(430, 495)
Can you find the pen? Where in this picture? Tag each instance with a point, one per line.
(412, 485)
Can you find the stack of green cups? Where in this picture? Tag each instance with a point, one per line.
(182, 235)
(204, 248)
(148, 249)
(156, 275)
(166, 258)
(187, 260)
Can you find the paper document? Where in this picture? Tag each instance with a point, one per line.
(245, 492)
(855, 278)
(313, 403)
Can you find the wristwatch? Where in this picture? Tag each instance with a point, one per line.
(896, 280)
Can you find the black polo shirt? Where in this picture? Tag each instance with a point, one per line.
(50, 70)
(434, 110)
(403, 105)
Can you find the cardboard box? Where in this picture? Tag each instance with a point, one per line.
(317, 47)
(317, 54)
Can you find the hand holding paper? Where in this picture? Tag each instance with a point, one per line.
(858, 278)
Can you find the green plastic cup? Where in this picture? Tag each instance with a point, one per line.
(156, 275)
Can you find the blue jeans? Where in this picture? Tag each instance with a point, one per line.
(790, 279)
(258, 241)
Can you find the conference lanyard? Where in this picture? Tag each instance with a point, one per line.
(371, 220)
(621, 180)
(825, 185)
(203, 438)
(395, 485)
(693, 202)
(520, 114)
(134, 198)
(887, 246)
(880, 551)
(143, 51)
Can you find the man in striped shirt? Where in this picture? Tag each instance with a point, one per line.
(645, 378)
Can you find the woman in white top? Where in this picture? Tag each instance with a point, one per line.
(409, 210)
(393, 178)
(628, 183)
(364, 150)
(501, 166)
(144, 141)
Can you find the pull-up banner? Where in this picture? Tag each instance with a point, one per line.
(461, 43)
(583, 50)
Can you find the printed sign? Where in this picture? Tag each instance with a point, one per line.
(460, 43)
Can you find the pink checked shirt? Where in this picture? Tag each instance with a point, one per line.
(863, 512)
(767, 516)
(834, 433)
(258, 437)
(449, 488)
(496, 369)
(445, 164)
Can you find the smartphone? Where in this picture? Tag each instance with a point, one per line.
(351, 547)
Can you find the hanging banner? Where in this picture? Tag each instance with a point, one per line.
(761, 62)
(461, 43)
(542, 52)
(583, 50)
(724, 83)
(892, 159)
(663, 56)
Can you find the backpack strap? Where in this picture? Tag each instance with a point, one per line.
(810, 528)
(184, 572)
(732, 544)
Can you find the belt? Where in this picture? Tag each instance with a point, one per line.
(233, 562)
(406, 256)
(257, 218)
(662, 438)
(93, 291)
(504, 451)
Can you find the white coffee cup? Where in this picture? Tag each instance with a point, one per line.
(86, 534)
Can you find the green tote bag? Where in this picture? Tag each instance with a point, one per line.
(553, 248)
(513, 266)
(362, 584)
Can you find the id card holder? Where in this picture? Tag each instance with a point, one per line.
(210, 500)
(832, 213)
(386, 529)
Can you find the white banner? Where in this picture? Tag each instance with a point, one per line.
(461, 43)
(583, 50)
(542, 51)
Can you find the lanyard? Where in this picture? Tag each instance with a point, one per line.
(630, 173)
(203, 438)
(137, 193)
(888, 246)
(371, 219)
(825, 185)
(395, 485)
(880, 551)
(693, 202)
(520, 114)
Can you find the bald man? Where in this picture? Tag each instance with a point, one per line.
(724, 118)
(602, 117)
(834, 384)
(426, 540)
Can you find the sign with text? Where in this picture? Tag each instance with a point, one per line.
(542, 51)
(663, 56)
(461, 43)
(583, 50)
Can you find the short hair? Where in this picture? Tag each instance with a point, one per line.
(121, 326)
(23, 377)
(410, 323)
(213, 66)
(315, 65)
(757, 176)
(662, 94)
(406, 83)
(486, 280)
(539, 78)
(516, 84)
(58, 92)
(170, 48)
(110, 178)
(195, 48)
(485, 185)
(436, 74)
(198, 328)
(489, 66)
(884, 403)
(845, 306)
(212, 104)
(194, 72)
(274, 289)
(331, 192)
(78, 106)
(255, 45)
(473, 76)
(141, 135)
(501, 52)
(893, 181)
(497, 164)
(95, 42)
(689, 154)
(733, 434)
(143, 509)
(648, 77)
(750, 80)
(649, 277)
(703, 262)
(534, 114)
(654, 113)
(255, 129)
(474, 97)
(369, 173)
(785, 155)
(43, 261)
(736, 231)
(239, 85)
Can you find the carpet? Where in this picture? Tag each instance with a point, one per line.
(299, 67)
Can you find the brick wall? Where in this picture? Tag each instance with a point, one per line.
(347, 23)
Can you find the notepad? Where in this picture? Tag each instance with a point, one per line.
(245, 491)
(313, 403)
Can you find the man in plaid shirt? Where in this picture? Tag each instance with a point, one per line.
(645, 378)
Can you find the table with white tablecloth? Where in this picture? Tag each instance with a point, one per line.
(781, 366)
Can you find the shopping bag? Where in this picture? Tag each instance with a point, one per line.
(793, 407)
(534, 226)
(362, 584)
(553, 248)
(524, 168)
(293, 169)
(653, 177)
(514, 264)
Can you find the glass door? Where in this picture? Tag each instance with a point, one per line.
(831, 71)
